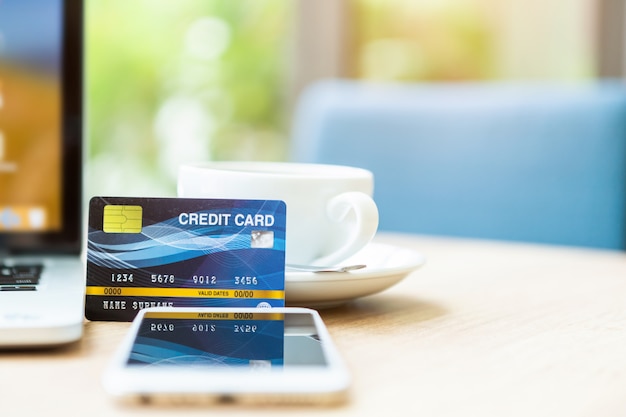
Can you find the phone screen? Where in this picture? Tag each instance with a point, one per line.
(259, 341)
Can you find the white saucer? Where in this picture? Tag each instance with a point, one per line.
(386, 265)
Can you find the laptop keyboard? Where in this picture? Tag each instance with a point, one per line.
(20, 277)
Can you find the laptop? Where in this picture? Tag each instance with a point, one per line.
(41, 269)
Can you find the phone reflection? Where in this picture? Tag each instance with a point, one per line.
(253, 340)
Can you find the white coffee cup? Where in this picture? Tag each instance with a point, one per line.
(330, 211)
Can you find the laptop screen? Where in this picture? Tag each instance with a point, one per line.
(40, 126)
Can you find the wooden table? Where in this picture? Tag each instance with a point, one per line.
(483, 329)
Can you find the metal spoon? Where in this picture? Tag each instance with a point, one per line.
(320, 269)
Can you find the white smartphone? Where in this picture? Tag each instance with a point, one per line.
(224, 355)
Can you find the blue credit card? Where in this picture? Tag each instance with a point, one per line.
(179, 252)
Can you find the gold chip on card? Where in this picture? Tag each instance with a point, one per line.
(122, 219)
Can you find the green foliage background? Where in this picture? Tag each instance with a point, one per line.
(170, 81)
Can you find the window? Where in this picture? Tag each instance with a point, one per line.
(175, 81)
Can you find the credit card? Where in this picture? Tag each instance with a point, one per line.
(181, 252)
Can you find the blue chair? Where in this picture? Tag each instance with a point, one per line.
(527, 161)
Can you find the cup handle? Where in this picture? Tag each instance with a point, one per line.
(357, 217)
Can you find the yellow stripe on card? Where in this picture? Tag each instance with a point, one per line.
(183, 292)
